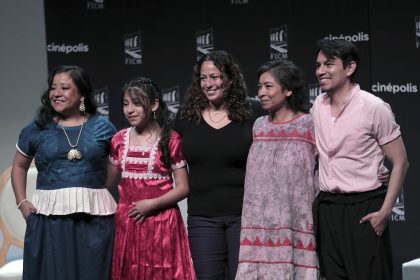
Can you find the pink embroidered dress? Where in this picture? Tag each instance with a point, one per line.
(277, 239)
(157, 248)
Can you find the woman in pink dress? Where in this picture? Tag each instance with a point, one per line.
(150, 236)
(277, 239)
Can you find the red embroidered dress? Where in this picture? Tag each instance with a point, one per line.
(157, 248)
(277, 240)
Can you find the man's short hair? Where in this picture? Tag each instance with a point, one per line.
(340, 48)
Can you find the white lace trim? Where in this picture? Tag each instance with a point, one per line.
(178, 165)
(149, 161)
(134, 175)
(113, 161)
(74, 200)
(125, 150)
(137, 160)
(139, 148)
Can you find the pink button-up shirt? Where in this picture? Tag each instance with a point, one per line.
(349, 146)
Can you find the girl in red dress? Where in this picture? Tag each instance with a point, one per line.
(150, 235)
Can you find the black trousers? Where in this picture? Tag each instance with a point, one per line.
(214, 243)
(347, 249)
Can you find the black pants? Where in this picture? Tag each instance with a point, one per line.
(347, 249)
(214, 243)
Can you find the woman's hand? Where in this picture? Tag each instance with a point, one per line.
(27, 208)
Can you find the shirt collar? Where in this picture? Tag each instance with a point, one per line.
(356, 88)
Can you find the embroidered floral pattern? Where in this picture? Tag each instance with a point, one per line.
(277, 240)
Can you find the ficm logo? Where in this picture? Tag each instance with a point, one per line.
(238, 2)
(359, 37)
(204, 42)
(393, 88)
(63, 48)
(101, 99)
(398, 211)
(172, 98)
(417, 19)
(255, 97)
(278, 42)
(95, 4)
(314, 91)
(133, 48)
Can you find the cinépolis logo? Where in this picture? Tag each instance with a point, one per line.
(359, 37)
(67, 48)
(394, 88)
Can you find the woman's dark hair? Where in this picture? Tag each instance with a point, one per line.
(235, 89)
(342, 49)
(290, 77)
(80, 78)
(144, 91)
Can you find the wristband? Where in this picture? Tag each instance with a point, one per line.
(21, 202)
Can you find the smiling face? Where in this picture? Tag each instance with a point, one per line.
(271, 93)
(211, 82)
(135, 110)
(64, 95)
(331, 73)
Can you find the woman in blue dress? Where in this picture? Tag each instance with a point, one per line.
(69, 233)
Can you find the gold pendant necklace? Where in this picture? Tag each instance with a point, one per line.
(217, 113)
(73, 154)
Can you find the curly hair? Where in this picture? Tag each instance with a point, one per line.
(290, 77)
(80, 78)
(235, 95)
(145, 91)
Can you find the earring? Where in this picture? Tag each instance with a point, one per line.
(82, 106)
(154, 115)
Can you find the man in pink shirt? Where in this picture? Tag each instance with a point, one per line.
(354, 131)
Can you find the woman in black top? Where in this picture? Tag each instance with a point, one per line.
(215, 123)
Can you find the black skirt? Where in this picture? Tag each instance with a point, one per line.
(68, 247)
